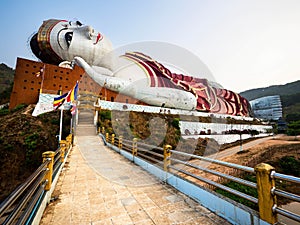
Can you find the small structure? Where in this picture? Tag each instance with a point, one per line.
(267, 108)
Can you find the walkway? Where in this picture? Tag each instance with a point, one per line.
(99, 186)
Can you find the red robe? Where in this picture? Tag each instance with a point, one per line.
(209, 98)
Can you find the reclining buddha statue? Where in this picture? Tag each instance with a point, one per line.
(133, 73)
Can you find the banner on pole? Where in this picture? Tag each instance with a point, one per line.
(45, 104)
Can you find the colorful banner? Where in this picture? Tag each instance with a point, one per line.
(45, 104)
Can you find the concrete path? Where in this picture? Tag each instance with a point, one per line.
(99, 186)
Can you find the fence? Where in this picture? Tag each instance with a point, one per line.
(184, 165)
(27, 202)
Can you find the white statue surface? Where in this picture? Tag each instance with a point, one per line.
(133, 73)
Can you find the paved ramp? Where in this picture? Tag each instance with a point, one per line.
(99, 186)
(86, 116)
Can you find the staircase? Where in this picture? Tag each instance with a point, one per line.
(86, 125)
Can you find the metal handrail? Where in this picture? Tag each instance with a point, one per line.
(150, 146)
(229, 177)
(128, 141)
(151, 152)
(285, 177)
(286, 213)
(150, 158)
(126, 147)
(26, 197)
(57, 150)
(230, 190)
(215, 184)
(17, 210)
(231, 165)
(285, 194)
(10, 200)
(25, 215)
(127, 144)
(56, 158)
(146, 148)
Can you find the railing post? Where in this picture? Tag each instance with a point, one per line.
(266, 200)
(120, 142)
(113, 139)
(107, 137)
(167, 155)
(134, 146)
(48, 176)
(103, 130)
(69, 139)
(63, 149)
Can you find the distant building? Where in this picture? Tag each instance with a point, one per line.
(267, 108)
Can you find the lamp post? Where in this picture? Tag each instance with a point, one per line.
(241, 140)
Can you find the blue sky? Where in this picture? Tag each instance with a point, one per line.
(245, 44)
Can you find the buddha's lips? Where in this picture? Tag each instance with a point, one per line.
(99, 37)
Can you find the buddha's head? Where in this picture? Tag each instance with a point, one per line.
(60, 40)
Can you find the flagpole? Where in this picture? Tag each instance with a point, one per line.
(42, 73)
(60, 123)
(71, 125)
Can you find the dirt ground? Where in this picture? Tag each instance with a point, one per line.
(269, 151)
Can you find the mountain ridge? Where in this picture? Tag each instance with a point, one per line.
(282, 90)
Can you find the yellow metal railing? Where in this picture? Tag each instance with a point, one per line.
(265, 180)
(21, 205)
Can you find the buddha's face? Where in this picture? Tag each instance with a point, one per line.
(60, 40)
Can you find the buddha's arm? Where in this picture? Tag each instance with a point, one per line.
(157, 96)
(109, 82)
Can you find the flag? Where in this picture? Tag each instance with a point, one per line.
(73, 109)
(39, 72)
(72, 95)
(58, 101)
(44, 104)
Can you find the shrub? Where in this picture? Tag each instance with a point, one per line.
(4, 112)
(19, 107)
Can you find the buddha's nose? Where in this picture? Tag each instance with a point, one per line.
(88, 31)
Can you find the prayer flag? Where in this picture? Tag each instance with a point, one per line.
(39, 72)
(45, 104)
(72, 95)
(59, 101)
(73, 109)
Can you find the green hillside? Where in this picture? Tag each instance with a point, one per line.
(282, 90)
(6, 82)
(289, 95)
(6, 76)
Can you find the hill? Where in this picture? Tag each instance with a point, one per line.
(23, 139)
(283, 90)
(289, 95)
(6, 82)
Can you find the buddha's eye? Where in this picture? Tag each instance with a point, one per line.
(91, 33)
(78, 23)
(68, 37)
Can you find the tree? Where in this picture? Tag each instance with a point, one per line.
(294, 128)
